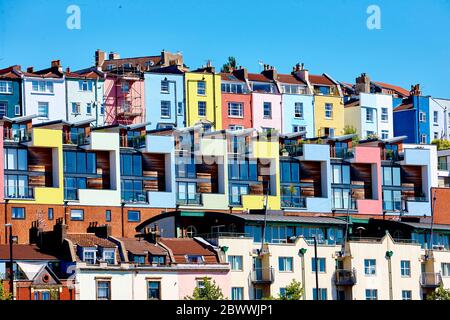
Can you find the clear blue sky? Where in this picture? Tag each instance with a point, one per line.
(413, 45)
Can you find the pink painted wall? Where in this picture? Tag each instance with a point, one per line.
(2, 164)
(371, 155)
(114, 97)
(258, 100)
(188, 281)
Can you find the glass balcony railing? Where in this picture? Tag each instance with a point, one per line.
(294, 150)
(71, 193)
(345, 277)
(262, 275)
(76, 139)
(17, 135)
(343, 153)
(134, 196)
(430, 279)
(19, 193)
(136, 142)
(187, 199)
(291, 201)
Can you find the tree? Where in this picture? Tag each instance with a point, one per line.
(439, 294)
(209, 291)
(441, 144)
(294, 291)
(349, 129)
(230, 65)
(3, 294)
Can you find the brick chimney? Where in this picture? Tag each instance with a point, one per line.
(103, 231)
(100, 57)
(170, 59)
(415, 90)
(56, 64)
(270, 72)
(67, 70)
(30, 69)
(114, 55)
(241, 73)
(35, 234)
(60, 232)
(301, 72)
(362, 84)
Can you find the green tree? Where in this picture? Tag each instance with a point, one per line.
(209, 291)
(349, 129)
(3, 294)
(441, 144)
(230, 65)
(294, 291)
(439, 294)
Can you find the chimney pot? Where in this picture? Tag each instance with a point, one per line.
(30, 69)
(56, 63)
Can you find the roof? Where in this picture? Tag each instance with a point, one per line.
(64, 123)
(142, 247)
(86, 75)
(258, 77)
(404, 106)
(134, 61)
(229, 77)
(344, 137)
(352, 103)
(12, 72)
(321, 80)
(392, 87)
(423, 225)
(25, 252)
(52, 72)
(89, 240)
(18, 119)
(181, 247)
(289, 78)
(292, 219)
(395, 139)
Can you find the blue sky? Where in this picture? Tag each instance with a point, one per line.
(412, 46)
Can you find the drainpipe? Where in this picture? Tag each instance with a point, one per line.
(95, 101)
(67, 101)
(123, 227)
(214, 100)
(6, 220)
(175, 100)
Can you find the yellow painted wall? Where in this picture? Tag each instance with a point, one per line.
(48, 138)
(213, 98)
(337, 122)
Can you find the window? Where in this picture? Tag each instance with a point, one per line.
(406, 295)
(17, 110)
(232, 87)
(436, 135)
(108, 216)
(235, 262)
(134, 216)
(262, 87)
(435, 117)
(164, 86)
(43, 109)
(77, 214)
(237, 190)
(298, 110)
(131, 164)
(90, 256)
(297, 128)
(6, 87)
(370, 134)
(391, 176)
(3, 108)
(85, 85)
(282, 292)
(109, 256)
(285, 264)
(293, 89)
(371, 294)
(88, 108)
(165, 109)
(370, 267)
(384, 115)
(180, 108)
(17, 213)
(322, 294)
(341, 174)
(103, 290)
(158, 260)
(50, 213)
(369, 115)
(42, 86)
(445, 269)
(290, 171)
(422, 117)
(79, 161)
(267, 110)
(154, 290)
(76, 108)
(384, 134)
(15, 159)
(125, 87)
(45, 295)
(235, 110)
(328, 111)
(191, 258)
(423, 139)
(235, 127)
(102, 109)
(237, 293)
(202, 108)
(405, 268)
(201, 88)
(320, 264)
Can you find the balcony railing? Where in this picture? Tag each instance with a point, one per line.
(345, 277)
(343, 153)
(289, 201)
(17, 135)
(430, 279)
(78, 139)
(417, 199)
(189, 199)
(262, 275)
(136, 142)
(20, 193)
(70, 193)
(443, 166)
(294, 150)
(134, 196)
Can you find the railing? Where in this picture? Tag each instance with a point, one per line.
(136, 142)
(17, 135)
(70, 193)
(76, 139)
(392, 205)
(293, 201)
(187, 199)
(21, 193)
(134, 196)
(417, 199)
(262, 275)
(392, 155)
(213, 238)
(430, 279)
(343, 153)
(444, 166)
(365, 239)
(294, 150)
(345, 277)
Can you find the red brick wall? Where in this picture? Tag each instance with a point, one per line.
(23, 291)
(442, 205)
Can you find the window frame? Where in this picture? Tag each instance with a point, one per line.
(299, 114)
(201, 89)
(240, 109)
(201, 105)
(97, 283)
(368, 267)
(328, 108)
(167, 105)
(149, 281)
(134, 211)
(269, 105)
(77, 210)
(14, 216)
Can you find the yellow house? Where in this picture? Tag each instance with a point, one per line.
(203, 97)
(328, 106)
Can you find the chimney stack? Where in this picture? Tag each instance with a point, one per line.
(301, 72)
(60, 231)
(35, 234)
(241, 73)
(270, 72)
(100, 57)
(114, 55)
(30, 69)
(362, 84)
(56, 64)
(67, 70)
(415, 90)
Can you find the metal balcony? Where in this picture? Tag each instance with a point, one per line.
(262, 276)
(430, 279)
(345, 277)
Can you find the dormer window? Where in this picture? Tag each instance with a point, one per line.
(262, 87)
(194, 259)
(293, 89)
(229, 87)
(325, 90)
(109, 256)
(85, 85)
(158, 260)
(90, 256)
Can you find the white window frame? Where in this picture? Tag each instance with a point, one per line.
(267, 103)
(165, 86)
(370, 267)
(372, 296)
(435, 117)
(384, 134)
(235, 127)
(235, 106)
(445, 269)
(198, 106)
(236, 263)
(88, 250)
(404, 269)
(77, 109)
(85, 86)
(409, 294)
(423, 138)
(422, 117)
(165, 116)
(8, 87)
(298, 113)
(201, 89)
(17, 110)
(328, 109)
(109, 251)
(88, 106)
(43, 104)
(4, 107)
(298, 128)
(369, 115)
(384, 115)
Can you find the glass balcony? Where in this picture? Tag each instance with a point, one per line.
(70, 193)
(294, 150)
(134, 196)
(345, 277)
(17, 135)
(430, 279)
(19, 193)
(78, 139)
(262, 275)
(187, 199)
(292, 201)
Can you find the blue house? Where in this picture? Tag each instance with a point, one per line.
(11, 92)
(164, 98)
(412, 119)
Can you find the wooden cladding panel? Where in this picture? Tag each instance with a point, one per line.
(412, 176)
(310, 173)
(361, 175)
(153, 165)
(40, 160)
(103, 168)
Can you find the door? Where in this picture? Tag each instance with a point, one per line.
(257, 268)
